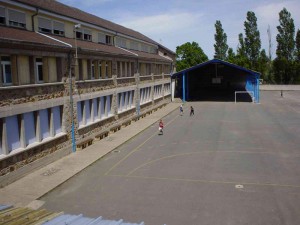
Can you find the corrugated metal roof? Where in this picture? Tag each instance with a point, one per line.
(10, 215)
(3, 207)
(67, 219)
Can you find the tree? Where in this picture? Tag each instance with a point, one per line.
(221, 46)
(188, 55)
(297, 52)
(252, 40)
(283, 64)
(231, 57)
(263, 66)
(241, 56)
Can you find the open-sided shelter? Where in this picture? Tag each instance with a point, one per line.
(216, 80)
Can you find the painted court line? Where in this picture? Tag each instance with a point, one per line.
(191, 153)
(210, 181)
(135, 150)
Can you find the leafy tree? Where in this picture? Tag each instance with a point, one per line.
(283, 64)
(297, 52)
(221, 46)
(241, 56)
(263, 66)
(231, 57)
(188, 55)
(252, 40)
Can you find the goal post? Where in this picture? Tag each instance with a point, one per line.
(251, 93)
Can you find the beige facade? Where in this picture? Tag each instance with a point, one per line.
(109, 83)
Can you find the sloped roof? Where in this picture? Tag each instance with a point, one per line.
(24, 36)
(72, 12)
(21, 36)
(213, 61)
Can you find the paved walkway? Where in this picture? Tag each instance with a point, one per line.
(25, 191)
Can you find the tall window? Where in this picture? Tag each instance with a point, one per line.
(101, 38)
(1, 135)
(30, 128)
(99, 70)
(16, 18)
(12, 127)
(92, 71)
(58, 28)
(106, 69)
(108, 40)
(87, 35)
(39, 70)
(78, 34)
(44, 25)
(2, 16)
(84, 34)
(6, 70)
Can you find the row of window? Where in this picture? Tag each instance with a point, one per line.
(12, 18)
(145, 95)
(28, 67)
(6, 70)
(15, 18)
(167, 89)
(23, 130)
(125, 69)
(20, 131)
(125, 101)
(157, 91)
(134, 45)
(93, 110)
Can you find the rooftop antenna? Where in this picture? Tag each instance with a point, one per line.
(270, 42)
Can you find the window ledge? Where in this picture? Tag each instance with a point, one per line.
(35, 144)
(97, 121)
(93, 80)
(125, 110)
(31, 85)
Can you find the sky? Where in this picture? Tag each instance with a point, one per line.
(175, 22)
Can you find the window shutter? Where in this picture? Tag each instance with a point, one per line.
(58, 26)
(101, 38)
(87, 32)
(16, 16)
(44, 23)
(2, 12)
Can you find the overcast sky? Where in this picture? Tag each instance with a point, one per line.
(175, 22)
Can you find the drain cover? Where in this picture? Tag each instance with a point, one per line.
(50, 172)
(239, 186)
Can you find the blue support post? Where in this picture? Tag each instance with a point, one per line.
(257, 86)
(187, 88)
(183, 87)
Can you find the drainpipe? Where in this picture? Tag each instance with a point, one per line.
(71, 104)
(32, 17)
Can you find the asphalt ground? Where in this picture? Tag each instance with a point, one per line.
(228, 164)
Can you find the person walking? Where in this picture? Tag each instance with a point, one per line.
(181, 110)
(192, 111)
(161, 127)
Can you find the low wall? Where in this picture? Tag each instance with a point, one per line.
(279, 87)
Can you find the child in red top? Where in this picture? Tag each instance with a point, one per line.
(161, 126)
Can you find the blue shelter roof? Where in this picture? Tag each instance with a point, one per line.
(213, 61)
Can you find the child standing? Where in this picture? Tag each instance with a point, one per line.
(161, 127)
(181, 110)
(192, 111)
